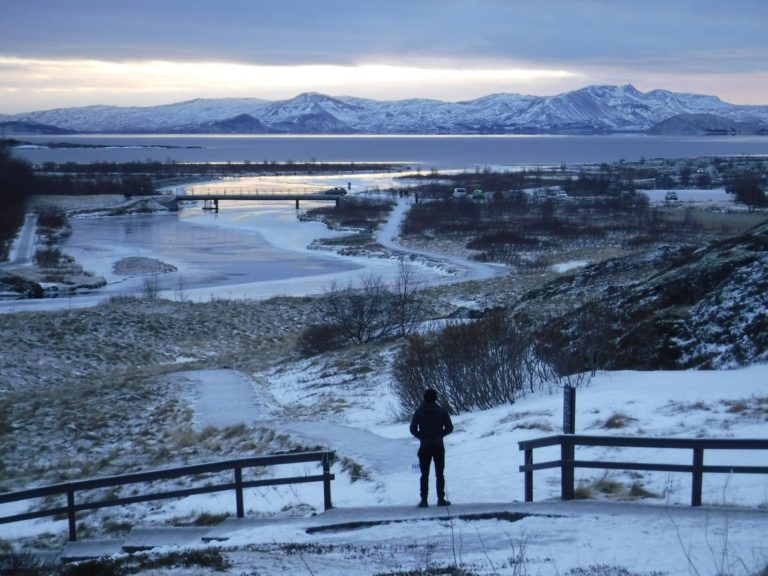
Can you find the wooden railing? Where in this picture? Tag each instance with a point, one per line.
(71, 489)
(568, 462)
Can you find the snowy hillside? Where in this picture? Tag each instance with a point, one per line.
(137, 384)
(590, 109)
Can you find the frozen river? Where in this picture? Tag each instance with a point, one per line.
(210, 251)
(246, 250)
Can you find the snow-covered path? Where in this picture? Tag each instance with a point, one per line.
(380, 455)
(389, 233)
(224, 398)
(23, 247)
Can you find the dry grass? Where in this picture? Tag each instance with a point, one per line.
(617, 420)
(84, 392)
(753, 407)
(606, 486)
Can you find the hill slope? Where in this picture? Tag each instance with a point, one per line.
(676, 308)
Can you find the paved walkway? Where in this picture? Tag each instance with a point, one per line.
(554, 524)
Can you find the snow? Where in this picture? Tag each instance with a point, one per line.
(357, 419)
(570, 265)
(715, 196)
(655, 534)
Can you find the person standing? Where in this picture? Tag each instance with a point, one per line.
(430, 424)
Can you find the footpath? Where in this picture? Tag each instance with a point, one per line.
(556, 525)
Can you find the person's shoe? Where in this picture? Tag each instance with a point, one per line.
(423, 504)
(443, 502)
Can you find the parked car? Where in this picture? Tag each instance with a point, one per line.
(338, 191)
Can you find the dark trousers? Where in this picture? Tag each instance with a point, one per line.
(426, 455)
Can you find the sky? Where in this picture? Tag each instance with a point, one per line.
(63, 53)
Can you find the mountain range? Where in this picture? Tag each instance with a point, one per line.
(590, 110)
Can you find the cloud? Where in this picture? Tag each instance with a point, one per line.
(273, 49)
(346, 32)
(146, 80)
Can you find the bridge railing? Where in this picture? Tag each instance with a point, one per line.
(249, 191)
(204, 486)
(568, 461)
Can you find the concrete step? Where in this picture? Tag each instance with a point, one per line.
(142, 539)
(90, 549)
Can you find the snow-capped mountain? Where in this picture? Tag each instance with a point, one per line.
(587, 110)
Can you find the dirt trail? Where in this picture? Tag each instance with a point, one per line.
(389, 233)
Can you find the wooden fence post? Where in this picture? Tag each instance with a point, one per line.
(567, 452)
(327, 481)
(529, 475)
(698, 473)
(71, 515)
(239, 491)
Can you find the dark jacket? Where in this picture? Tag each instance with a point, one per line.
(430, 423)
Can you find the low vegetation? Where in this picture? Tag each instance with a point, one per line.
(368, 312)
(16, 186)
(512, 216)
(211, 560)
(472, 365)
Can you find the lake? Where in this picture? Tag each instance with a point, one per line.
(441, 152)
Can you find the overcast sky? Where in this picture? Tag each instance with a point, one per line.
(60, 53)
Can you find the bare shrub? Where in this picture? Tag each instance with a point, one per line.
(472, 365)
(409, 307)
(51, 217)
(361, 313)
(366, 312)
(320, 338)
(581, 340)
(151, 288)
(48, 257)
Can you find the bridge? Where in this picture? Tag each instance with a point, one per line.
(212, 195)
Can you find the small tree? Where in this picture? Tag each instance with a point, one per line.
(362, 313)
(408, 306)
(370, 311)
(747, 190)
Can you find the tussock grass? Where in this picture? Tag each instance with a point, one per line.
(617, 420)
(610, 487)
